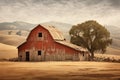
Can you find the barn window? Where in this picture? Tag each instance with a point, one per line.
(20, 56)
(39, 34)
(83, 54)
(39, 52)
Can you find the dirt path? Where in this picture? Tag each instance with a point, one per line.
(59, 71)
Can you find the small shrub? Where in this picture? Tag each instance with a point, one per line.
(13, 59)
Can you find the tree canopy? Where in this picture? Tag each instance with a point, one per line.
(91, 35)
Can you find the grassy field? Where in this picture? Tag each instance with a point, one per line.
(59, 71)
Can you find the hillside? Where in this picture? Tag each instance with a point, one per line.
(7, 51)
(14, 40)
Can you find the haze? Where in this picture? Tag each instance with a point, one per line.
(106, 12)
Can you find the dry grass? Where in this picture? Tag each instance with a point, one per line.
(7, 51)
(59, 71)
(6, 47)
(14, 40)
(117, 57)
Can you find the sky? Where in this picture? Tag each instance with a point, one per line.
(106, 12)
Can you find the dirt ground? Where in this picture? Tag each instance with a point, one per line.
(59, 71)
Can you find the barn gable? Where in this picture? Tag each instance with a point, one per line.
(56, 34)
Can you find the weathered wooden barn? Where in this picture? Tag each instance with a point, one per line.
(46, 43)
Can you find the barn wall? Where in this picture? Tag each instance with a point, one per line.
(52, 54)
(71, 54)
(51, 50)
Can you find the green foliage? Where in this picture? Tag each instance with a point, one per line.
(90, 35)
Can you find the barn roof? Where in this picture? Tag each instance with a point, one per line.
(56, 34)
(72, 45)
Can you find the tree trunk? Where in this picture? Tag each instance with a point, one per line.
(92, 56)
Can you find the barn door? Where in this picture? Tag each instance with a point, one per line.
(27, 56)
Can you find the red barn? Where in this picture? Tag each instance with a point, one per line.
(46, 43)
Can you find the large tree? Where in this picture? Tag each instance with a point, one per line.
(91, 35)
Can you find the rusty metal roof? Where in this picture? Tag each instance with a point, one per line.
(72, 45)
(56, 34)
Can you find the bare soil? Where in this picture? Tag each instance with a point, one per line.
(59, 71)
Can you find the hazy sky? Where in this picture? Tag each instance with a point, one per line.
(68, 11)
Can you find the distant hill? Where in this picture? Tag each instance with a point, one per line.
(61, 26)
(18, 25)
(115, 31)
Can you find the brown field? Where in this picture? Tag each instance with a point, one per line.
(59, 71)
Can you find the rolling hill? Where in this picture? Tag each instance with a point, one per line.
(7, 51)
(13, 40)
